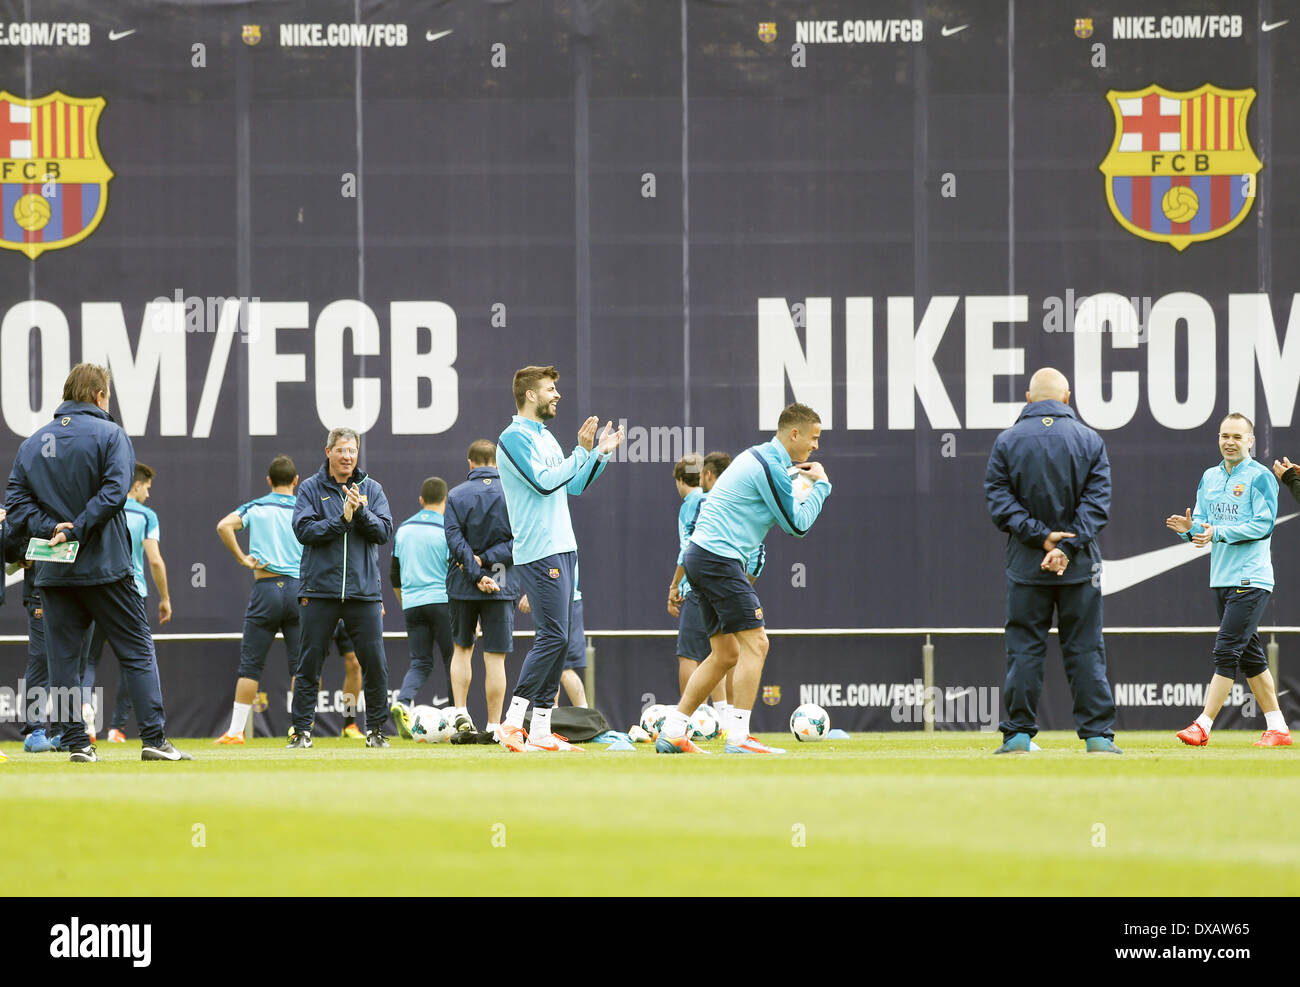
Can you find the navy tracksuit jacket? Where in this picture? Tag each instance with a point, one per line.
(79, 468)
(1049, 472)
(340, 580)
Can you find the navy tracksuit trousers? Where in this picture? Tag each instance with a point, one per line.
(426, 626)
(37, 673)
(549, 585)
(94, 650)
(1029, 619)
(364, 623)
(119, 612)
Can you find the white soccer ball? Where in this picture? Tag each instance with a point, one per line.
(652, 718)
(810, 722)
(427, 724)
(801, 487)
(448, 723)
(705, 724)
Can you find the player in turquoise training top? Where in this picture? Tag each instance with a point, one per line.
(1236, 508)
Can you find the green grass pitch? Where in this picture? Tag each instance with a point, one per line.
(883, 814)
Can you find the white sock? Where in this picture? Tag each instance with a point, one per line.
(461, 711)
(1276, 721)
(737, 725)
(722, 709)
(515, 714)
(239, 718)
(1205, 722)
(674, 727)
(493, 727)
(541, 724)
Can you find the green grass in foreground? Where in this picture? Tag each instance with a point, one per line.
(903, 814)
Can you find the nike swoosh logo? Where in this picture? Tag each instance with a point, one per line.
(1121, 574)
(119, 35)
(1269, 27)
(948, 32)
(430, 36)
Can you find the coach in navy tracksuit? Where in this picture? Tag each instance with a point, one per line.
(341, 517)
(1048, 488)
(69, 483)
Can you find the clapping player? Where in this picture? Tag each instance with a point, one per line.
(537, 479)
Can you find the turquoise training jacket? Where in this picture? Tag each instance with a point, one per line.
(1241, 506)
(537, 480)
(751, 495)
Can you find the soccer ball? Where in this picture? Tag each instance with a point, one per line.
(448, 723)
(810, 722)
(427, 725)
(704, 723)
(652, 718)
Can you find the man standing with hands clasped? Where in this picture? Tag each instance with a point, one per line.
(1236, 509)
(1048, 487)
(341, 517)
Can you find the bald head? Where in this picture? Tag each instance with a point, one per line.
(1048, 384)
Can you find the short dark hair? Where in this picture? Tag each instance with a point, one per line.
(688, 468)
(482, 452)
(433, 490)
(85, 382)
(797, 416)
(1237, 414)
(143, 474)
(281, 471)
(716, 462)
(527, 378)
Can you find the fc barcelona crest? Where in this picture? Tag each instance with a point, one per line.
(1083, 27)
(767, 33)
(53, 178)
(252, 34)
(772, 695)
(1180, 167)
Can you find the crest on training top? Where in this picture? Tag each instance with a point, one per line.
(1180, 167)
(53, 178)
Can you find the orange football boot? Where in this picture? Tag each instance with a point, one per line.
(1274, 738)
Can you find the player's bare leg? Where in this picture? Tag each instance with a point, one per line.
(462, 675)
(1198, 734)
(572, 683)
(245, 691)
(1276, 732)
(722, 659)
(245, 696)
(352, 688)
(494, 686)
(746, 677)
(1265, 692)
(685, 667)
